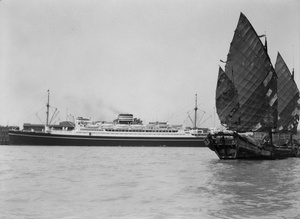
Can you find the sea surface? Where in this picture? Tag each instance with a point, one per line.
(141, 182)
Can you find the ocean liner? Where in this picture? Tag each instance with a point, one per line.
(124, 131)
(253, 96)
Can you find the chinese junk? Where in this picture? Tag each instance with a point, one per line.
(253, 96)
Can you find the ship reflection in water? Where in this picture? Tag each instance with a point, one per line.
(135, 182)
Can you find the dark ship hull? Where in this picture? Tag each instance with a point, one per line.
(235, 146)
(39, 138)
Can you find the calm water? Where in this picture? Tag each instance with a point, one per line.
(117, 182)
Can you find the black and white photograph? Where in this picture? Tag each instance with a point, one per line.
(149, 109)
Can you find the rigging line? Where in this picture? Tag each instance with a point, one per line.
(202, 110)
(37, 105)
(58, 119)
(293, 57)
(38, 115)
(39, 118)
(201, 122)
(30, 112)
(293, 72)
(190, 117)
(53, 116)
(209, 116)
(194, 107)
(33, 109)
(41, 99)
(40, 109)
(187, 118)
(201, 117)
(205, 120)
(56, 116)
(194, 110)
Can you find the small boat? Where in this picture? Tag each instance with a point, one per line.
(254, 97)
(124, 131)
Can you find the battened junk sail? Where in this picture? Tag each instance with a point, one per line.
(226, 98)
(288, 98)
(249, 68)
(252, 96)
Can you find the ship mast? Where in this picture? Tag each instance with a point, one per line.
(196, 108)
(271, 130)
(47, 120)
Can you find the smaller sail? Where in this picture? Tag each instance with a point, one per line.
(226, 98)
(288, 98)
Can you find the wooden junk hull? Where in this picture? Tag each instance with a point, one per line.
(236, 146)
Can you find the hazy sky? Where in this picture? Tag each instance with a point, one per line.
(145, 57)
